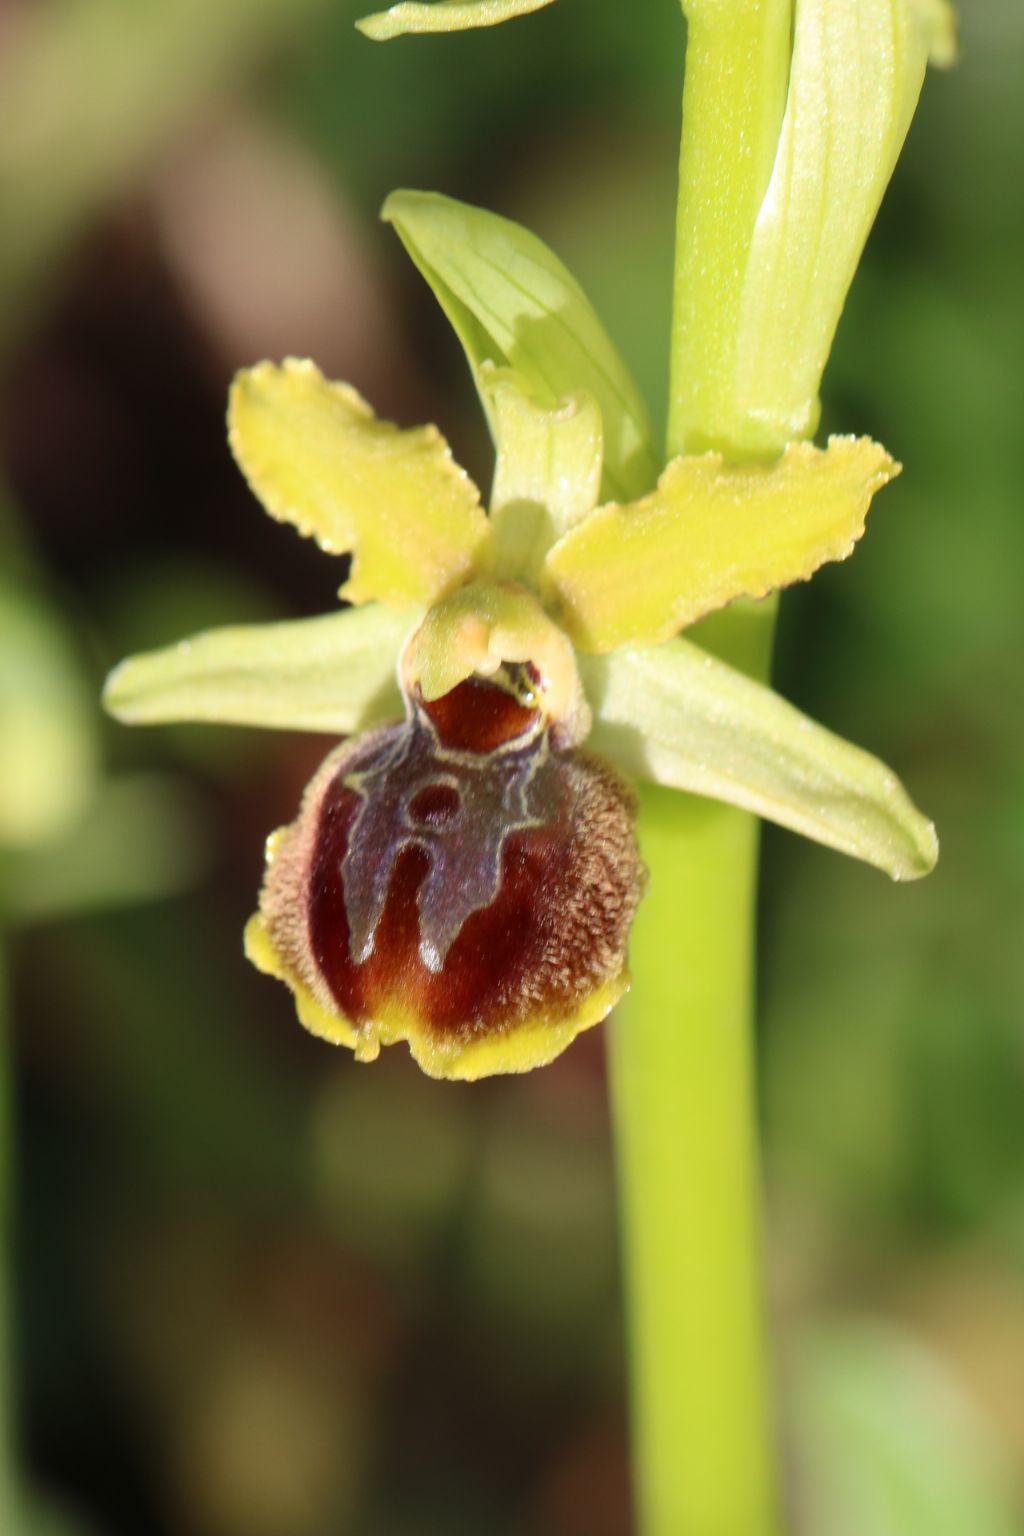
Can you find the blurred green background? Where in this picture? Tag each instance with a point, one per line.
(256, 1289)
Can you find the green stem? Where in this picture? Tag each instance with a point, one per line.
(683, 1099)
(682, 1053)
(682, 1063)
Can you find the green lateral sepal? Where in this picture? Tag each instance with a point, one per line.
(675, 715)
(336, 674)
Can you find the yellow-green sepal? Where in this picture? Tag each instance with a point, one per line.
(548, 471)
(317, 457)
(710, 533)
(674, 715)
(512, 302)
(443, 16)
(336, 674)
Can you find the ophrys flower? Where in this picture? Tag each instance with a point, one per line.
(463, 871)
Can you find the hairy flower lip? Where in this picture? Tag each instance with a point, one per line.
(544, 956)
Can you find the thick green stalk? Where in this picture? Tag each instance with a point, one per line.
(683, 1089)
(682, 1052)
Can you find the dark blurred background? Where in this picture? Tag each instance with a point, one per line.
(257, 1289)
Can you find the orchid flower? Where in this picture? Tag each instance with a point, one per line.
(463, 871)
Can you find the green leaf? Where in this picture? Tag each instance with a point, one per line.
(889, 1443)
(335, 674)
(548, 470)
(512, 302)
(444, 16)
(675, 715)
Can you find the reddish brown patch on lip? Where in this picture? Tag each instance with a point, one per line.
(478, 716)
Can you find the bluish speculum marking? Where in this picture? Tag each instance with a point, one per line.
(456, 781)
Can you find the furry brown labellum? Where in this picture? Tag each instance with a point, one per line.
(464, 880)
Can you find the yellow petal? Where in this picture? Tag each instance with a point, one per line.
(316, 456)
(708, 534)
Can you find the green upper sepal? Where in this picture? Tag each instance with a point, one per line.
(512, 303)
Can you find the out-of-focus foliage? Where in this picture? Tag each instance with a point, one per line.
(262, 1290)
(890, 1445)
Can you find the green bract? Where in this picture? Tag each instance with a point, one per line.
(799, 149)
(614, 577)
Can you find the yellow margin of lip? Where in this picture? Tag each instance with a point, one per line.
(531, 1044)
